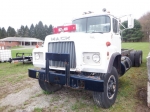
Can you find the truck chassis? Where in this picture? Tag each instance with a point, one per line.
(103, 85)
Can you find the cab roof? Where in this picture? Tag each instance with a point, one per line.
(93, 14)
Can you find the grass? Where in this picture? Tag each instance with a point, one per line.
(144, 46)
(129, 84)
(13, 52)
(16, 47)
(37, 109)
(15, 72)
(134, 79)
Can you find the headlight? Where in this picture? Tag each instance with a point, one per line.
(37, 56)
(91, 58)
(96, 58)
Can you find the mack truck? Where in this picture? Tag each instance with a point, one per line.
(86, 54)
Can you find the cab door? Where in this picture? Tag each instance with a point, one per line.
(116, 38)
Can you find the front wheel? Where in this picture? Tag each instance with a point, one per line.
(50, 87)
(107, 98)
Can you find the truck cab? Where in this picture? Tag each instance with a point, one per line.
(84, 55)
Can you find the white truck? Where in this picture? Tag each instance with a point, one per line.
(85, 55)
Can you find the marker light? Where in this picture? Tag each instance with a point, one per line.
(108, 44)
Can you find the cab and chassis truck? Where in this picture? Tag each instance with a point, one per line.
(85, 55)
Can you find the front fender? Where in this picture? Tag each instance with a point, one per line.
(115, 60)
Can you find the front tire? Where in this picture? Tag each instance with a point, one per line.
(50, 87)
(42, 83)
(107, 98)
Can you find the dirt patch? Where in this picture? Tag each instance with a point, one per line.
(142, 108)
(142, 98)
(8, 89)
(19, 97)
(31, 97)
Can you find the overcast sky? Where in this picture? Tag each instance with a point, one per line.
(15, 13)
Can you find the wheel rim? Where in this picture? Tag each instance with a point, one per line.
(111, 87)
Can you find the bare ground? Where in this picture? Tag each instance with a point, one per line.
(142, 96)
(28, 97)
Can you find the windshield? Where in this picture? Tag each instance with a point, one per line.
(93, 24)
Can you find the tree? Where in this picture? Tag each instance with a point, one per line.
(32, 33)
(3, 33)
(26, 31)
(46, 30)
(50, 30)
(21, 31)
(36, 31)
(145, 23)
(11, 32)
(134, 34)
(40, 31)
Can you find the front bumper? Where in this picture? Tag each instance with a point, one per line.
(71, 80)
(75, 80)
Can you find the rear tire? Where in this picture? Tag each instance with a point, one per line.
(138, 58)
(107, 98)
(132, 57)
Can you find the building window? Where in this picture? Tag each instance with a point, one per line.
(9, 41)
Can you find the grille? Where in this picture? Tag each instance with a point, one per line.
(63, 47)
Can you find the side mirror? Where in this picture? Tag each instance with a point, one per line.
(130, 21)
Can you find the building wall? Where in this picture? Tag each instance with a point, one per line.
(8, 44)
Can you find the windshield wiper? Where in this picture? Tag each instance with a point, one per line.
(97, 32)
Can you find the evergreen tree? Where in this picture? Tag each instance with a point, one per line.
(46, 30)
(32, 33)
(36, 31)
(26, 31)
(40, 31)
(134, 34)
(3, 33)
(11, 32)
(18, 32)
(21, 31)
(8, 31)
(50, 30)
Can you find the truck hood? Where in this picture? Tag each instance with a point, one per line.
(84, 42)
